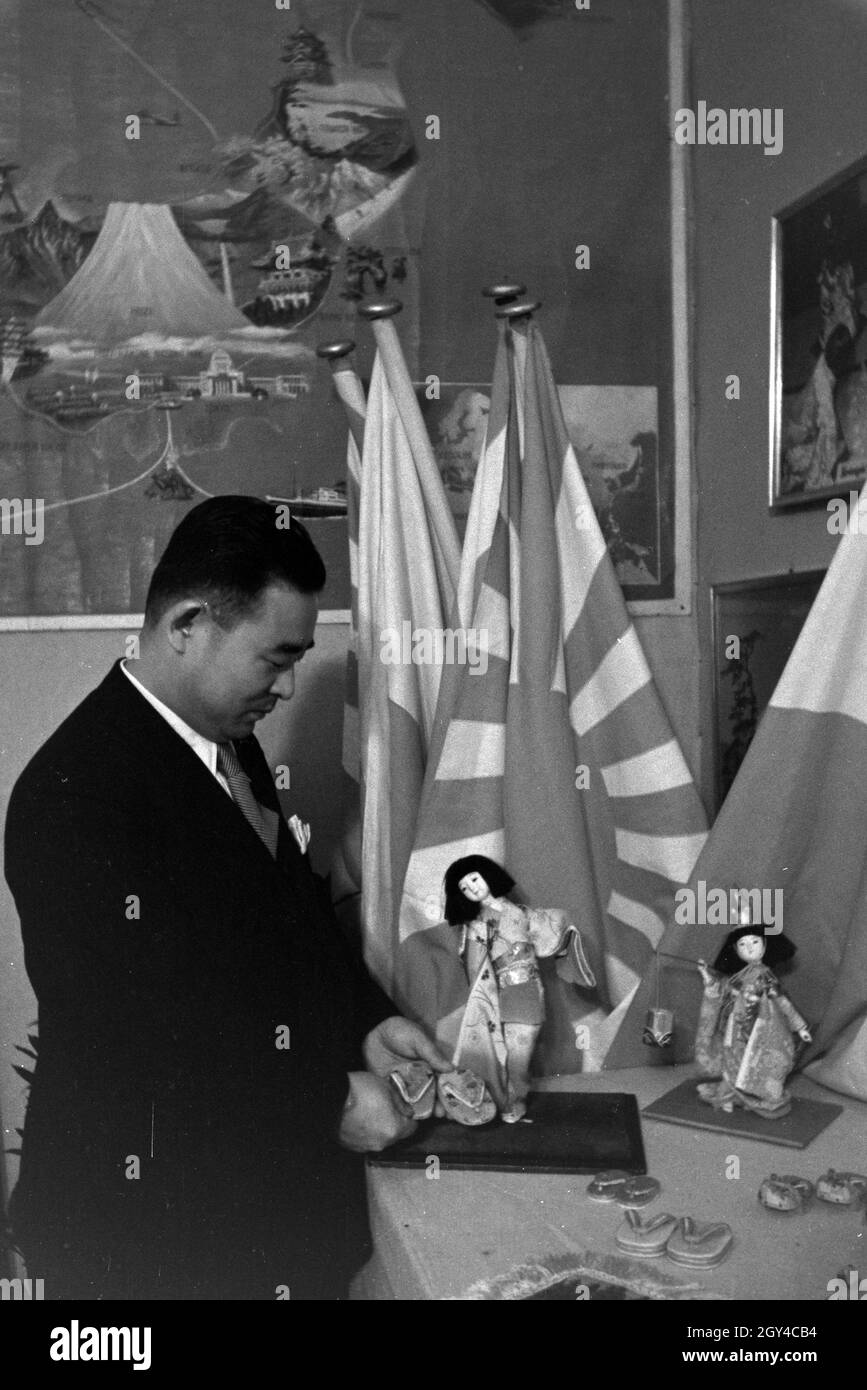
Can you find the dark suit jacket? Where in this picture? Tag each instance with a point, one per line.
(167, 948)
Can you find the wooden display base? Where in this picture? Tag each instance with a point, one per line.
(570, 1133)
(798, 1129)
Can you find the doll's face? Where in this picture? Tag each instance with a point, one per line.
(750, 948)
(474, 887)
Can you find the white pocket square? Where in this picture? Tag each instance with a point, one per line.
(301, 830)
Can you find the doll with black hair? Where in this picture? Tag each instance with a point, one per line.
(747, 1025)
(501, 943)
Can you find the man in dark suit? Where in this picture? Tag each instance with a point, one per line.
(200, 1100)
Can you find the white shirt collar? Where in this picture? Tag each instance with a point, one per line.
(204, 748)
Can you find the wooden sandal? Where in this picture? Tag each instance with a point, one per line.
(416, 1084)
(787, 1193)
(609, 1186)
(841, 1189)
(647, 1239)
(638, 1191)
(465, 1097)
(700, 1245)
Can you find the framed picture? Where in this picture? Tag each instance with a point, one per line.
(818, 405)
(614, 431)
(755, 625)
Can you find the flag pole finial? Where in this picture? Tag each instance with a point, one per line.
(505, 292)
(339, 347)
(522, 309)
(380, 308)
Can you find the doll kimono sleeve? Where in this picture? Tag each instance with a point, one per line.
(788, 1010)
(552, 935)
(549, 930)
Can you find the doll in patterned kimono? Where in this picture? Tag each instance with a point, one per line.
(747, 1026)
(501, 943)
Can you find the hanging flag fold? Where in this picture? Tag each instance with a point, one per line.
(408, 557)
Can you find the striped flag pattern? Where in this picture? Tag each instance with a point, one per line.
(558, 761)
(408, 558)
(794, 820)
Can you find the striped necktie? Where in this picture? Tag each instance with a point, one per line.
(264, 821)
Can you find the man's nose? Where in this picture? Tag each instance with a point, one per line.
(284, 686)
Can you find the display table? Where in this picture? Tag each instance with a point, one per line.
(434, 1238)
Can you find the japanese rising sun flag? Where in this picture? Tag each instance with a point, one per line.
(556, 759)
(794, 820)
(408, 559)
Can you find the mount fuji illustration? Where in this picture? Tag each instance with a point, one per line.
(140, 278)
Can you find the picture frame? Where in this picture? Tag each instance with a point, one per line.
(766, 615)
(614, 431)
(818, 339)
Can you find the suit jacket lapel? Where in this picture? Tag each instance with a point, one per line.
(183, 774)
(253, 760)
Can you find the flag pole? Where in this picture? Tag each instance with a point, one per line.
(347, 383)
(519, 309)
(351, 392)
(380, 313)
(504, 292)
(346, 859)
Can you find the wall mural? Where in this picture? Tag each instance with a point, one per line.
(188, 205)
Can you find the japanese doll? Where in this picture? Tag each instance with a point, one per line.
(747, 1026)
(501, 945)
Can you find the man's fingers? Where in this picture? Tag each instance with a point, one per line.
(430, 1053)
(409, 1127)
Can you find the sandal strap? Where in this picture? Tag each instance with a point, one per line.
(661, 1219)
(695, 1234)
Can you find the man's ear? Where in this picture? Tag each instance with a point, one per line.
(179, 620)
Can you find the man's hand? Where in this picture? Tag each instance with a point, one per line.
(396, 1040)
(374, 1116)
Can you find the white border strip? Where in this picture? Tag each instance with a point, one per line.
(95, 622)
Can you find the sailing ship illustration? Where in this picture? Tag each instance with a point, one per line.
(319, 502)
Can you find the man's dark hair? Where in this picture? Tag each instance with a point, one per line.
(227, 550)
(458, 908)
